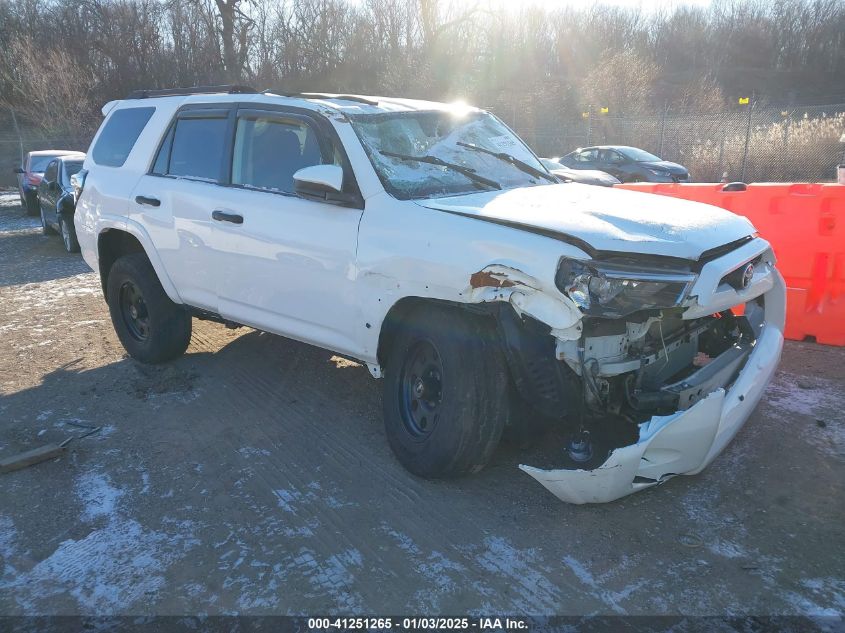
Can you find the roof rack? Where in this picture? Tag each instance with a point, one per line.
(194, 90)
(322, 95)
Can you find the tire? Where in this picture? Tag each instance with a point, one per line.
(525, 425)
(68, 233)
(449, 364)
(46, 229)
(158, 330)
(31, 206)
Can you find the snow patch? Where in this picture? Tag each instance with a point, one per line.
(98, 496)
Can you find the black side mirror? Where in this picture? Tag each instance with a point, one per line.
(18, 170)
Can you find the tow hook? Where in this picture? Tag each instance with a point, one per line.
(580, 447)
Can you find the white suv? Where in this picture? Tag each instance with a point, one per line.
(428, 241)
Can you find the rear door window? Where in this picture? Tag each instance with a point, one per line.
(119, 135)
(52, 172)
(196, 146)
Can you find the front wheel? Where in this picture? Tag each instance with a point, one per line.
(150, 326)
(445, 399)
(46, 229)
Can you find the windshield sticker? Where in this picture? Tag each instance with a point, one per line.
(509, 145)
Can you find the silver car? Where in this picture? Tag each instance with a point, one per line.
(584, 176)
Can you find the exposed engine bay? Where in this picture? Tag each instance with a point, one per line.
(658, 364)
(661, 395)
(661, 370)
(651, 365)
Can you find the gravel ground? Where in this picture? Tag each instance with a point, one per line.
(252, 476)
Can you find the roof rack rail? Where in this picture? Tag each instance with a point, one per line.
(322, 95)
(194, 90)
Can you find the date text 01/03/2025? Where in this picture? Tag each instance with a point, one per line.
(418, 623)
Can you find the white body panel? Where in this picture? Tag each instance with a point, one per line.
(633, 222)
(289, 268)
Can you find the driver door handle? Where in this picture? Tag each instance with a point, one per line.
(225, 216)
(150, 202)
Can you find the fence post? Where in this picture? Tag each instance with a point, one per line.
(17, 131)
(663, 127)
(747, 140)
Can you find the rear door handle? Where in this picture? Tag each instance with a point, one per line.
(150, 202)
(225, 216)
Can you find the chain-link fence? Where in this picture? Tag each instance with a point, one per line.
(753, 144)
(17, 138)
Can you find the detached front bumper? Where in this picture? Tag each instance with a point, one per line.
(685, 442)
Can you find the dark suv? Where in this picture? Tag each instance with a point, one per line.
(628, 164)
(57, 199)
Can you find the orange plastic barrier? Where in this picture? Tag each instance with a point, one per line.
(805, 223)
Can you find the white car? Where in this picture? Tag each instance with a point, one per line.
(428, 242)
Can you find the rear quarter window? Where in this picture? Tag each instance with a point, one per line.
(119, 135)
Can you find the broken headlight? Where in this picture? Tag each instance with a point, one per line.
(614, 290)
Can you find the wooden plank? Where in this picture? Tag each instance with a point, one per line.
(29, 458)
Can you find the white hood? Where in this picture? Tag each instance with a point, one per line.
(607, 219)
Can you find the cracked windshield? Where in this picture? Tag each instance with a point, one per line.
(442, 153)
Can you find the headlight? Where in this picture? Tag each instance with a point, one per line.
(658, 172)
(615, 290)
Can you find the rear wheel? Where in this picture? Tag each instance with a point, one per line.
(68, 231)
(150, 326)
(445, 399)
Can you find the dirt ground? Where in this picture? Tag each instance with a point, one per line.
(253, 476)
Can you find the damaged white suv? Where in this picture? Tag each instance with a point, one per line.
(427, 241)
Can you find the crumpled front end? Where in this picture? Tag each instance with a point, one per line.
(684, 382)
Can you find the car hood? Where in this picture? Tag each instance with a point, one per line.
(605, 219)
(672, 168)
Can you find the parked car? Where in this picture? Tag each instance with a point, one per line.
(57, 199)
(584, 176)
(29, 175)
(428, 242)
(628, 164)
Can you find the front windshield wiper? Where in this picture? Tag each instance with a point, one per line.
(521, 165)
(436, 160)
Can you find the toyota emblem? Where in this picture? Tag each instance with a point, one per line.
(747, 275)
